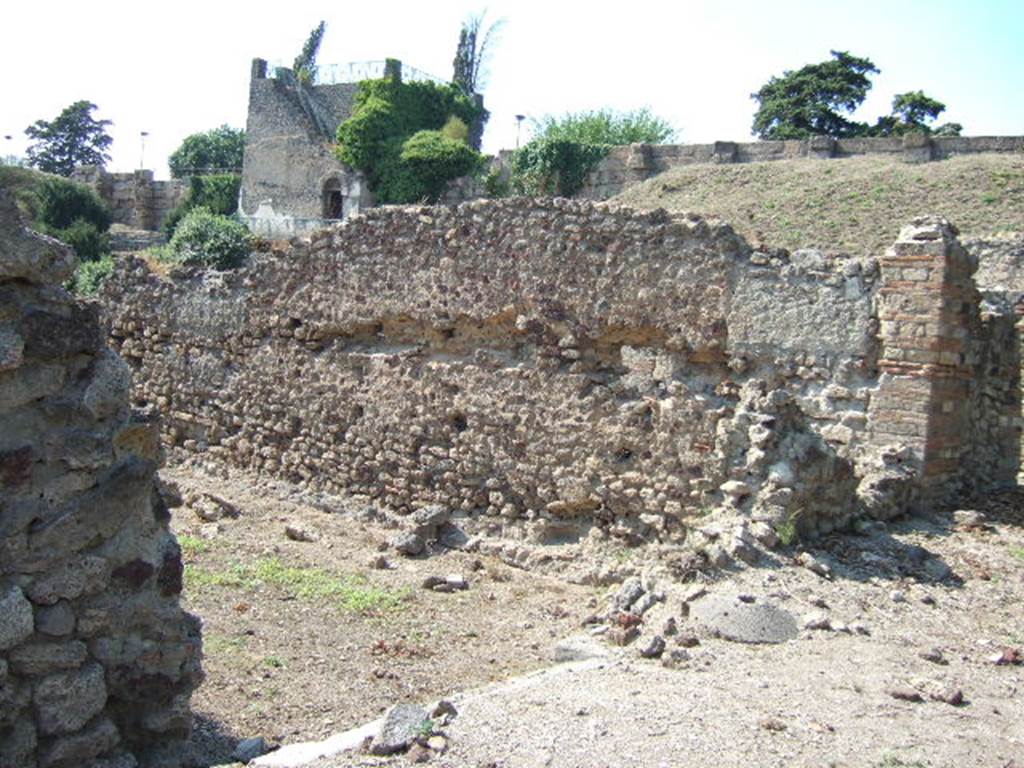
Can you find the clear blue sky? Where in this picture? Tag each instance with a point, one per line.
(175, 68)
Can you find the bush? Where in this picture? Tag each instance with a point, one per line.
(554, 166)
(388, 115)
(88, 243)
(606, 126)
(432, 159)
(218, 193)
(61, 203)
(456, 129)
(89, 275)
(205, 239)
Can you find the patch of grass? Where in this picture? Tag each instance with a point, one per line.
(351, 593)
(273, 661)
(192, 545)
(788, 530)
(222, 645)
(1017, 552)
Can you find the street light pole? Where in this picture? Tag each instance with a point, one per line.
(519, 124)
(142, 151)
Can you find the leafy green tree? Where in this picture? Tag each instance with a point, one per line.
(215, 151)
(911, 113)
(817, 99)
(606, 126)
(71, 139)
(812, 100)
(469, 68)
(304, 67)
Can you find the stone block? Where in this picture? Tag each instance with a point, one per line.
(18, 744)
(82, 747)
(11, 349)
(55, 620)
(40, 658)
(17, 624)
(66, 701)
(76, 577)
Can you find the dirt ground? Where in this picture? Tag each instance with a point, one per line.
(303, 639)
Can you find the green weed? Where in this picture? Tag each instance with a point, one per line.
(351, 593)
(192, 545)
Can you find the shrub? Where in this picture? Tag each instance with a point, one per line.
(456, 129)
(61, 203)
(606, 126)
(432, 159)
(88, 243)
(218, 193)
(389, 114)
(554, 166)
(205, 239)
(89, 275)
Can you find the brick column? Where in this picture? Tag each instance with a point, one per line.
(926, 304)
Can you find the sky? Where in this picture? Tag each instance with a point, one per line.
(172, 69)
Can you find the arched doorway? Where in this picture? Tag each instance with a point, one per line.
(333, 201)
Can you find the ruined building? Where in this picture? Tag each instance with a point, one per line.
(292, 183)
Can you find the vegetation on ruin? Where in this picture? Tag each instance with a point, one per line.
(71, 139)
(89, 275)
(818, 99)
(217, 151)
(400, 135)
(68, 211)
(304, 66)
(205, 239)
(564, 150)
(476, 43)
(217, 193)
(856, 205)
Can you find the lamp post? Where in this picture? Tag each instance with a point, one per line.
(142, 151)
(519, 124)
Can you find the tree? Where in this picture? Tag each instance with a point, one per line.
(73, 138)
(469, 68)
(810, 101)
(911, 113)
(215, 151)
(606, 126)
(304, 67)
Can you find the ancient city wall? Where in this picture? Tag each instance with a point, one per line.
(97, 659)
(547, 367)
(135, 199)
(628, 165)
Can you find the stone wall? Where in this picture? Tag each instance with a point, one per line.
(545, 368)
(97, 659)
(135, 199)
(1000, 277)
(628, 165)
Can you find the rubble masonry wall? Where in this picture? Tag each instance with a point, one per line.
(97, 659)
